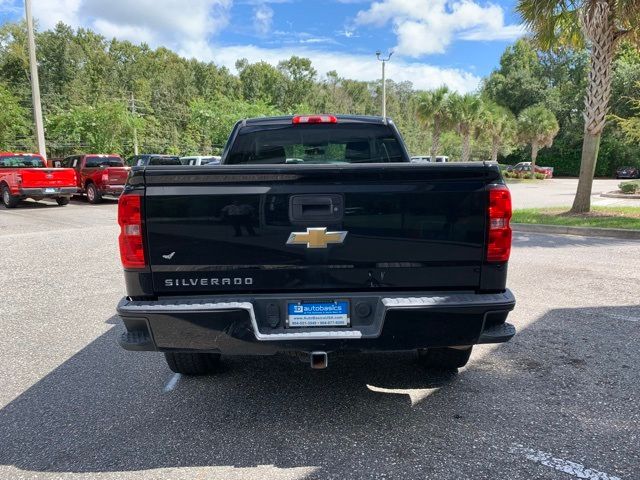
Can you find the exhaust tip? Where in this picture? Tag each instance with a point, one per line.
(319, 360)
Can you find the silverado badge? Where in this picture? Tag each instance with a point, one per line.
(316, 238)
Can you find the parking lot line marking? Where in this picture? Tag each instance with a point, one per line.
(171, 383)
(622, 317)
(572, 468)
(615, 316)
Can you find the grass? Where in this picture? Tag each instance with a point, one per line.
(600, 217)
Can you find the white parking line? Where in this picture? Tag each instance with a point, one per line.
(171, 383)
(613, 315)
(572, 468)
(622, 317)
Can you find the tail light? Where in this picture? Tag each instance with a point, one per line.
(105, 177)
(131, 240)
(18, 178)
(314, 119)
(499, 235)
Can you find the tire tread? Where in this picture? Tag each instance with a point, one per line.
(444, 358)
(192, 363)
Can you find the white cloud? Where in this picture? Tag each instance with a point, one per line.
(354, 66)
(262, 19)
(191, 30)
(50, 12)
(158, 22)
(429, 26)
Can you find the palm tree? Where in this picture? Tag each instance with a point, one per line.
(498, 123)
(537, 126)
(466, 113)
(433, 112)
(601, 24)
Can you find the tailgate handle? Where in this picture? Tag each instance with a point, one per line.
(320, 208)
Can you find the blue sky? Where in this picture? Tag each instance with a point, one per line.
(452, 42)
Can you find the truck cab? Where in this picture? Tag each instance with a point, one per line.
(98, 175)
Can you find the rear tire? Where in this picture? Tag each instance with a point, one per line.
(193, 363)
(62, 201)
(444, 358)
(93, 195)
(9, 200)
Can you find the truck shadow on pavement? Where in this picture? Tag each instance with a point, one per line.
(556, 384)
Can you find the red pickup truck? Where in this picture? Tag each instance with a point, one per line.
(26, 175)
(98, 175)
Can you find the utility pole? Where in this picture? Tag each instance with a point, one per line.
(384, 82)
(135, 129)
(35, 83)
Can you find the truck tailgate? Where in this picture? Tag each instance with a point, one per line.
(116, 175)
(47, 177)
(395, 226)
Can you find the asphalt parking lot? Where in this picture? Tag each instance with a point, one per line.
(560, 192)
(560, 401)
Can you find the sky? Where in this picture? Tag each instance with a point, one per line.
(435, 42)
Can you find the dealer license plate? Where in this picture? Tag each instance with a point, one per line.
(50, 190)
(318, 314)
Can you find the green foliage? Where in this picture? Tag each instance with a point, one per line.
(537, 125)
(101, 128)
(211, 121)
(601, 217)
(187, 106)
(518, 83)
(629, 187)
(556, 23)
(498, 124)
(13, 118)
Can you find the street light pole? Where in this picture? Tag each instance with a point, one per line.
(384, 82)
(35, 83)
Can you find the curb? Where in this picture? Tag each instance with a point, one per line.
(620, 195)
(582, 231)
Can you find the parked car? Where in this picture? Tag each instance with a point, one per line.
(427, 159)
(153, 159)
(199, 161)
(628, 172)
(525, 167)
(26, 175)
(350, 248)
(98, 175)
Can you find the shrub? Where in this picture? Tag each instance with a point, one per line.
(628, 187)
(540, 176)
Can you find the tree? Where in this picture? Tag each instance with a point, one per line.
(631, 125)
(433, 112)
(13, 119)
(301, 77)
(466, 113)
(601, 24)
(262, 82)
(498, 123)
(537, 127)
(104, 128)
(518, 82)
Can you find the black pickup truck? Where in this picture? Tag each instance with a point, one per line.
(316, 234)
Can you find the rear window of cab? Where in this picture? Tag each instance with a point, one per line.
(103, 161)
(316, 144)
(19, 161)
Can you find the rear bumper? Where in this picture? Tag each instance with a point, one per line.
(252, 326)
(46, 192)
(113, 190)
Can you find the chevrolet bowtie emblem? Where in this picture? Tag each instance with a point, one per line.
(316, 238)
